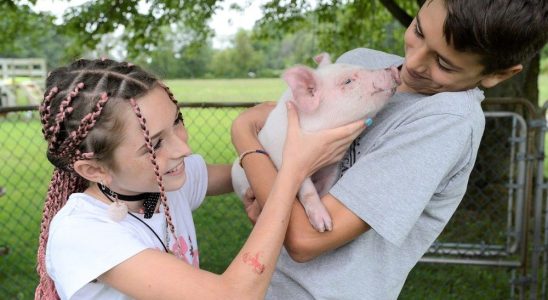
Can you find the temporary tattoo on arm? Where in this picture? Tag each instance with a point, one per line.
(253, 261)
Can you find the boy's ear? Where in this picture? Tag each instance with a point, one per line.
(497, 77)
(92, 171)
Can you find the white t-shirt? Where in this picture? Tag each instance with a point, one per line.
(84, 243)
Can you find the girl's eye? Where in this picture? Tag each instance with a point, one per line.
(348, 81)
(155, 147)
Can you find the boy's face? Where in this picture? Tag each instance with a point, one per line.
(431, 65)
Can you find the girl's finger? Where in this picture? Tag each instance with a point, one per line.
(292, 117)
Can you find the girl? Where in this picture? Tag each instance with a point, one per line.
(117, 221)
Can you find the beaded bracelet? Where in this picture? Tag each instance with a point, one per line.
(251, 151)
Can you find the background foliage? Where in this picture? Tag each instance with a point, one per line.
(173, 38)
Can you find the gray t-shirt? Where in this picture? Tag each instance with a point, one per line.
(404, 176)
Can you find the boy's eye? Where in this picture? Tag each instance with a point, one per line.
(417, 30)
(443, 66)
(348, 81)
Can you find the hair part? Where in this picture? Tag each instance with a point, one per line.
(504, 33)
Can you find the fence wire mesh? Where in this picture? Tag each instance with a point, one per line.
(482, 254)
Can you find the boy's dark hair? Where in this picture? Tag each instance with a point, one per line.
(504, 32)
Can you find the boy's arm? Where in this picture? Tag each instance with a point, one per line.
(302, 241)
(219, 179)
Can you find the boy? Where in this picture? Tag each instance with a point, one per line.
(405, 175)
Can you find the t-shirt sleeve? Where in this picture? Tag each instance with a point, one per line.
(101, 246)
(195, 187)
(390, 186)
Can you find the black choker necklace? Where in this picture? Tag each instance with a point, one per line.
(150, 199)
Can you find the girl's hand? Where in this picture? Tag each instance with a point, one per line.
(306, 152)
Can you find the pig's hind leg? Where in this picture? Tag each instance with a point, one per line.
(315, 210)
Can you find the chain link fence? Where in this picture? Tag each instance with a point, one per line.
(494, 247)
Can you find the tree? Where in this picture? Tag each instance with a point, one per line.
(35, 35)
(142, 26)
(336, 25)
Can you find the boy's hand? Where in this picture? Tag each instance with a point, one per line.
(251, 206)
(251, 121)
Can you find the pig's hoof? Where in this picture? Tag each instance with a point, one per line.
(320, 219)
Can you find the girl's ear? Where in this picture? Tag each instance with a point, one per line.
(497, 77)
(92, 171)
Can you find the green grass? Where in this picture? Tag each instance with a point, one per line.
(229, 90)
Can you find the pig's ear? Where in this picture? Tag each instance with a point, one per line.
(303, 84)
(322, 59)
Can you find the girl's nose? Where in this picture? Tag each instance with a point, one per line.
(179, 145)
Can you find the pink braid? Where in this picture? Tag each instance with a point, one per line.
(87, 123)
(172, 97)
(61, 186)
(45, 108)
(64, 110)
(152, 153)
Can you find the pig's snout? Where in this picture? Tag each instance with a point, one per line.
(395, 75)
(386, 80)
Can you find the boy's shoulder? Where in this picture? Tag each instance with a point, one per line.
(369, 58)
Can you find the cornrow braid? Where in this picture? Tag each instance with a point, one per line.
(64, 111)
(152, 154)
(45, 108)
(79, 122)
(87, 123)
(172, 97)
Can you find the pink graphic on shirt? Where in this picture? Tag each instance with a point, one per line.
(194, 254)
(180, 249)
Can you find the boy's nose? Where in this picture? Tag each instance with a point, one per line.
(417, 60)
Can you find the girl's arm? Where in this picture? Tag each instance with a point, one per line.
(153, 274)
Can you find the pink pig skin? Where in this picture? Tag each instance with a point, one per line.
(327, 97)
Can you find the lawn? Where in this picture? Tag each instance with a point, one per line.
(234, 90)
(221, 224)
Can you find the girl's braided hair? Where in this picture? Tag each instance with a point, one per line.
(79, 122)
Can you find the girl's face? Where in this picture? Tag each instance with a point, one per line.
(135, 172)
(431, 65)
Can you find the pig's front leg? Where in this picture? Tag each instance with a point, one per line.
(315, 210)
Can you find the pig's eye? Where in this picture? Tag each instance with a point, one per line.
(348, 81)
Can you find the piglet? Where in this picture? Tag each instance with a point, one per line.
(330, 96)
